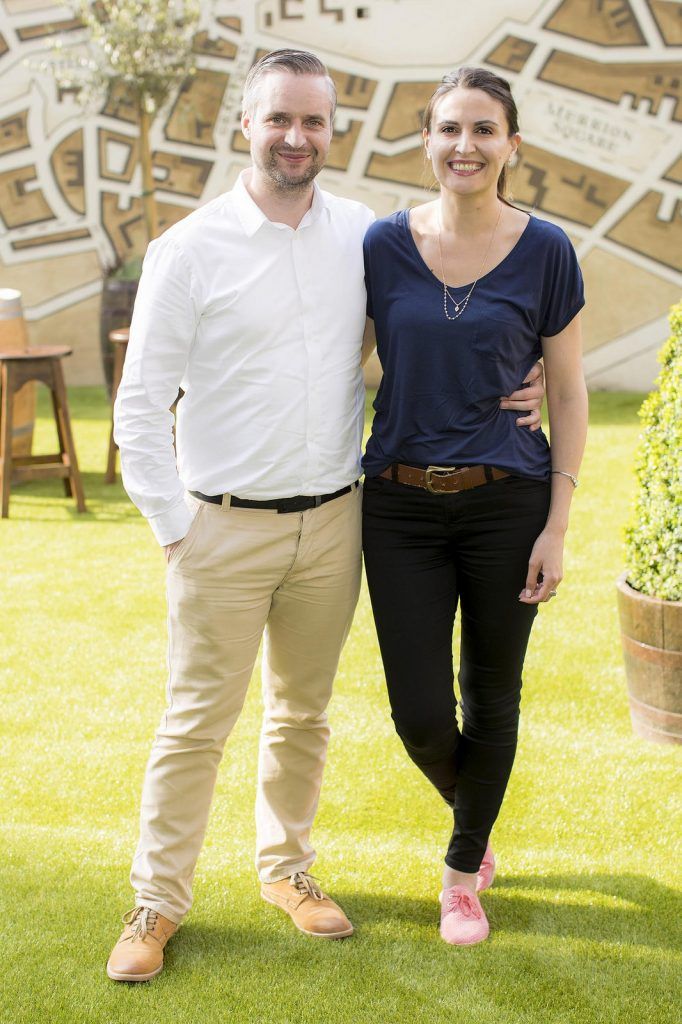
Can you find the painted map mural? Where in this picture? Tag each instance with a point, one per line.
(598, 83)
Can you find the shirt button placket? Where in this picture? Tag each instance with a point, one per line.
(299, 261)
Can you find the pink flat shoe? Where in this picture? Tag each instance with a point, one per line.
(462, 920)
(486, 872)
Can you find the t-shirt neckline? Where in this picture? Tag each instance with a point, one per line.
(459, 287)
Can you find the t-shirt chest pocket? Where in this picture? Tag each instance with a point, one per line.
(502, 352)
(496, 340)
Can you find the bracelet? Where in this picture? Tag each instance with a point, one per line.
(562, 472)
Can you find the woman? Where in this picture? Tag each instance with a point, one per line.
(461, 506)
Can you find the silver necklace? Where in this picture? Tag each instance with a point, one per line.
(463, 303)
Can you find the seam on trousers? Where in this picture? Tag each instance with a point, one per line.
(287, 574)
(169, 684)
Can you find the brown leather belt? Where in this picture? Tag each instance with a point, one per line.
(443, 479)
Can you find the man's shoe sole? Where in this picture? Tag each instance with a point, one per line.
(314, 935)
(117, 976)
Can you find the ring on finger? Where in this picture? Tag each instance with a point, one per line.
(552, 593)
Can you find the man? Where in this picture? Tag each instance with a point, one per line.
(255, 304)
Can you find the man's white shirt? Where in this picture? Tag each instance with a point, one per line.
(261, 325)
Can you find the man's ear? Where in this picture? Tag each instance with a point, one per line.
(246, 124)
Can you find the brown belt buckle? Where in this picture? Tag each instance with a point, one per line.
(428, 473)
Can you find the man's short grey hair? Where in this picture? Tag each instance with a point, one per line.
(295, 62)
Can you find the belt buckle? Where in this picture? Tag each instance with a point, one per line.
(428, 474)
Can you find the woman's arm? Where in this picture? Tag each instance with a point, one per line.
(567, 405)
(369, 341)
(528, 398)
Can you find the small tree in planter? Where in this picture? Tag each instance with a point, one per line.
(145, 48)
(650, 591)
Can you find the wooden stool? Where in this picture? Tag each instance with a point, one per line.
(16, 369)
(119, 339)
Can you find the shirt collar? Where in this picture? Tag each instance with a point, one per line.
(252, 217)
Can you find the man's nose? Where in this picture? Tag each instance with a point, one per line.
(294, 136)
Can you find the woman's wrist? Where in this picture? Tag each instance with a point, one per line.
(556, 525)
(569, 476)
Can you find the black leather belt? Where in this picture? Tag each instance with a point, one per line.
(299, 503)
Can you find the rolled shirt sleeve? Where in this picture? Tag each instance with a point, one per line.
(163, 329)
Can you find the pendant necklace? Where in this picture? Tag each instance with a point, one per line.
(462, 304)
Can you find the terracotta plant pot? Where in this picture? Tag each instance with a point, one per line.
(651, 632)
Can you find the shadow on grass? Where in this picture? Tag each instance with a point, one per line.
(624, 910)
(46, 501)
(546, 961)
(627, 909)
(599, 908)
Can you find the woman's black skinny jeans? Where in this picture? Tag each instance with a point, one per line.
(425, 554)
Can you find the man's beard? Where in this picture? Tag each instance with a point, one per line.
(289, 184)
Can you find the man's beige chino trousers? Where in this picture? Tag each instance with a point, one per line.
(239, 574)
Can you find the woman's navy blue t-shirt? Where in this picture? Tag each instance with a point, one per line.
(438, 402)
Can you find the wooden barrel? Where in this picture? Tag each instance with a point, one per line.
(14, 337)
(116, 311)
(651, 633)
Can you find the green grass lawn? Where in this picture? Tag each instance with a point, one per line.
(585, 910)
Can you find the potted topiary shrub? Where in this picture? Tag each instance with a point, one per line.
(650, 590)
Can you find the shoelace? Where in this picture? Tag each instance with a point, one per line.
(306, 885)
(464, 902)
(143, 920)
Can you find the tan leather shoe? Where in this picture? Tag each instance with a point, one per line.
(311, 911)
(138, 954)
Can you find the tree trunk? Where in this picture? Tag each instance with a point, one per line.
(148, 198)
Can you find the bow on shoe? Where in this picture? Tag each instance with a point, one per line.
(306, 885)
(463, 902)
